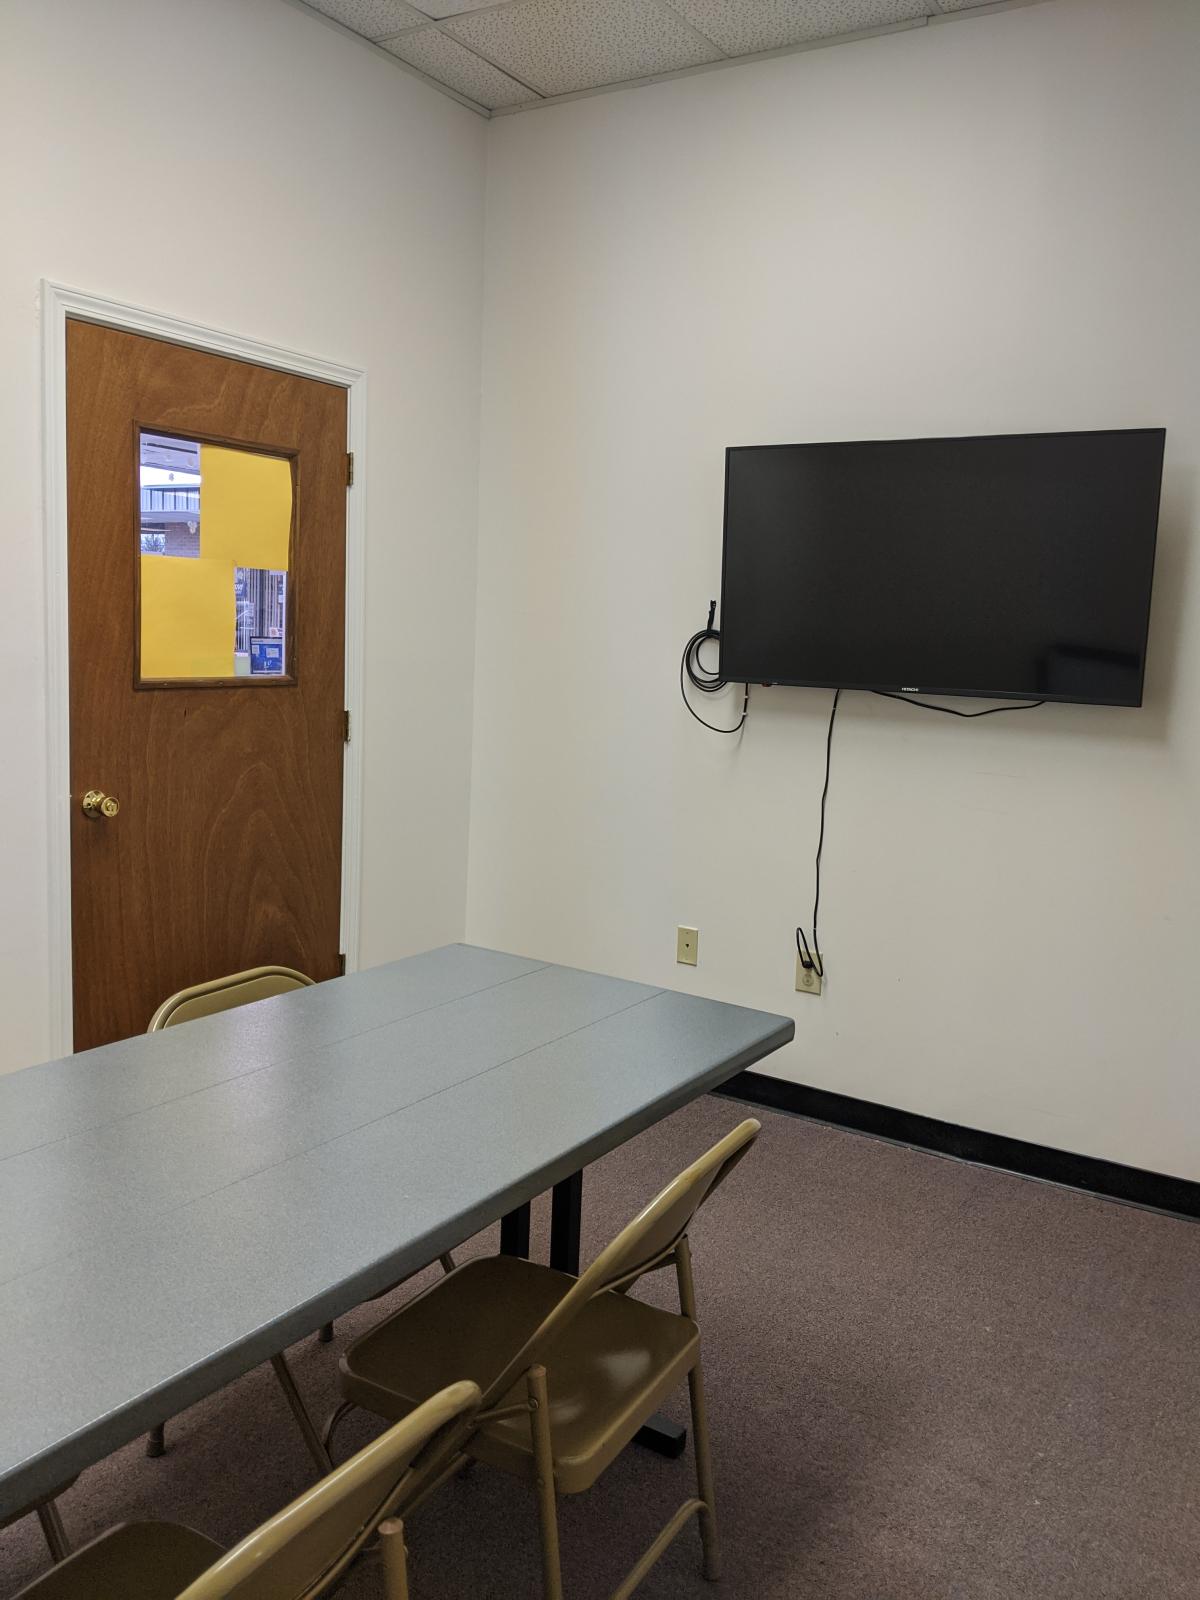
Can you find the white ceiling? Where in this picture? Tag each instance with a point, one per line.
(517, 54)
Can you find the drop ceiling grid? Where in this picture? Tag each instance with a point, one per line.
(371, 19)
(442, 57)
(510, 55)
(743, 30)
(567, 45)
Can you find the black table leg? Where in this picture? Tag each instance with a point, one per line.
(565, 1213)
(514, 1232)
(665, 1437)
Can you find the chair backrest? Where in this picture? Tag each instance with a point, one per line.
(306, 1547)
(641, 1245)
(222, 994)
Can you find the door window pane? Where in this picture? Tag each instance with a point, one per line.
(214, 549)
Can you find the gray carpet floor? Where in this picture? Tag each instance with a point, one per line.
(928, 1381)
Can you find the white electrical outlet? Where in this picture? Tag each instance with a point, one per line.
(808, 979)
(687, 946)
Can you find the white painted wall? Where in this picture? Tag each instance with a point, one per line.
(986, 225)
(241, 164)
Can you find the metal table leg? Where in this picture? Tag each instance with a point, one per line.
(312, 1438)
(514, 1232)
(665, 1437)
(566, 1209)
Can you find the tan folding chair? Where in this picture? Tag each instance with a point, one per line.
(303, 1550)
(569, 1368)
(223, 994)
(204, 1000)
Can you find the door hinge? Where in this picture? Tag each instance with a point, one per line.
(346, 727)
(349, 468)
(341, 963)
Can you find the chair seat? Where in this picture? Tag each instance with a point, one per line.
(136, 1561)
(607, 1372)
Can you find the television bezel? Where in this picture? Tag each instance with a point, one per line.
(902, 689)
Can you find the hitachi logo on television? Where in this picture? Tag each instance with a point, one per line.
(909, 688)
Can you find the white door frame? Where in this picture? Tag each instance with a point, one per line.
(58, 304)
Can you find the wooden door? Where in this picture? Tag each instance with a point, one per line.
(225, 852)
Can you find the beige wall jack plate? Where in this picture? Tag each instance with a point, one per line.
(687, 945)
(807, 980)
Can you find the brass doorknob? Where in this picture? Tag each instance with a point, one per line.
(98, 804)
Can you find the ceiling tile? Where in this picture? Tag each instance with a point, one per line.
(447, 61)
(564, 45)
(374, 19)
(450, 8)
(742, 27)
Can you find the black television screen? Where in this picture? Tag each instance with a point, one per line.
(1014, 566)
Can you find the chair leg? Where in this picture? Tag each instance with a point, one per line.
(305, 1423)
(395, 1562)
(343, 1408)
(52, 1528)
(447, 1262)
(704, 1476)
(156, 1440)
(543, 1458)
(700, 1442)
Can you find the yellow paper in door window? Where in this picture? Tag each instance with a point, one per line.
(247, 508)
(187, 617)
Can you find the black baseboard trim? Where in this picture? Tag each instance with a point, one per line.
(1158, 1190)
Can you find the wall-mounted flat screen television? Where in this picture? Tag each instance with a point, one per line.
(1013, 566)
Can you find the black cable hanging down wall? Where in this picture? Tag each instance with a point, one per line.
(706, 681)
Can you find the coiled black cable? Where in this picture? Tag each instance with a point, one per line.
(692, 670)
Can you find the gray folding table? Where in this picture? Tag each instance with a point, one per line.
(177, 1207)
